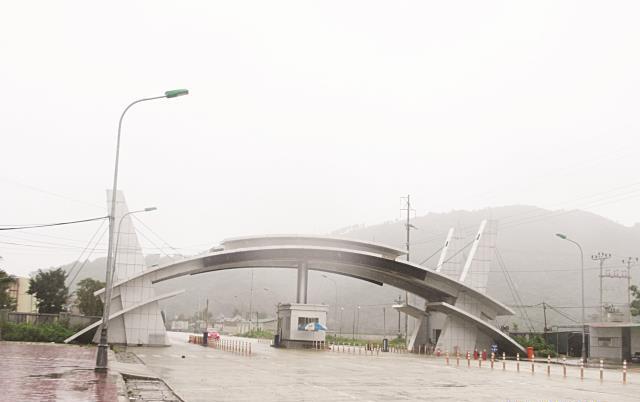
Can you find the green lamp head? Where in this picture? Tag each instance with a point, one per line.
(174, 93)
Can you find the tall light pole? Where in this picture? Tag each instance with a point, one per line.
(103, 346)
(335, 306)
(584, 345)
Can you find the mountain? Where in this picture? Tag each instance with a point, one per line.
(541, 266)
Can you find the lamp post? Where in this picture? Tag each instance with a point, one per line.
(103, 346)
(335, 306)
(584, 345)
(358, 323)
(115, 251)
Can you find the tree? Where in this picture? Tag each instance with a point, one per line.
(635, 303)
(87, 302)
(6, 301)
(50, 291)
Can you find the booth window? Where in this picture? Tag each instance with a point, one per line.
(303, 321)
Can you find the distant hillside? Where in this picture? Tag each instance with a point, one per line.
(542, 266)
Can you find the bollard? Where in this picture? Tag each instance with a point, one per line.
(533, 364)
(249, 349)
(446, 357)
(504, 363)
(377, 351)
(493, 356)
(548, 365)
(457, 358)
(518, 362)
(581, 369)
(479, 363)
(359, 350)
(601, 370)
(624, 371)
(468, 360)
(564, 367)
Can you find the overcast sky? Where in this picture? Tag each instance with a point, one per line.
(305, 117)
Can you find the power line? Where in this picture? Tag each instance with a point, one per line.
(85, 249)
(33, 226)
(87, 259)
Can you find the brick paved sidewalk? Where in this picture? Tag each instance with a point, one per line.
(52, 372)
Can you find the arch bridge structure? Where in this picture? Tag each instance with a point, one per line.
(469, 314)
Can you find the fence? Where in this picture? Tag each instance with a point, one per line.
(70, 320)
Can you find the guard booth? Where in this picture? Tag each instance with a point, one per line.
(300, 325)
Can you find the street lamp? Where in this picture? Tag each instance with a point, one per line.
(584, 346)
(115, 252)
(335, 306)
(358, 323)
(103, 346)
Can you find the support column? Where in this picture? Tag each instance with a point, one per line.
(301, 295)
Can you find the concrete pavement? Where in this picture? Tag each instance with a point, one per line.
(52, 372)
(205, 374)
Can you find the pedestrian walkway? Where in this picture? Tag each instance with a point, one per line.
(52, 372)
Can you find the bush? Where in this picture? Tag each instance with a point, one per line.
(258, 333)
(540, 346)
(35, 333)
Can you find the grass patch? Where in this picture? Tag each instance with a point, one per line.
(35, 333)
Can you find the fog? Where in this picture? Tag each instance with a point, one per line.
(304, 117)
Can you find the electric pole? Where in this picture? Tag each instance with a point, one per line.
(544, 313)
(251, 301)
(602, 257)
(629, 262)
(408, 226)
(399, 301)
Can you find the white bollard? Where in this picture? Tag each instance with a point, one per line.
(624, 371)
(601, 370)
(548, 365)
(564, 367)
(504, 363)
(518, 362)
(533, 364)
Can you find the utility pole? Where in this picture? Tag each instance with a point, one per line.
(629, 262)
(408, 226)
(353, 324)
(384, 322)
(544, 313)
(602, 257)
(206, 315)
(251, 301)
(399, 301)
